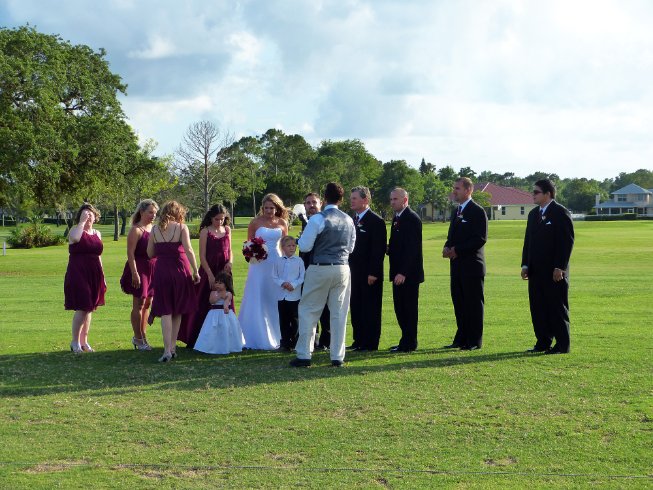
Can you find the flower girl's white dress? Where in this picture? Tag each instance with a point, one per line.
(221, 333)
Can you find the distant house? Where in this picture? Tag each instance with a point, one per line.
(629, 199)
(506, 203)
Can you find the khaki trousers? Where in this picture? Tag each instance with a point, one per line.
(330, 285)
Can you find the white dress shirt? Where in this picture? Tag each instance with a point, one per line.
(314, 227)
(291, 270)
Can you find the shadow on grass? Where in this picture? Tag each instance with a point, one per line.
(112, 372)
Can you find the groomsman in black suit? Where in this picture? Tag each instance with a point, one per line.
(406, 267)
(366, 265)
(313, 205)
(548, 242)
(465, 250)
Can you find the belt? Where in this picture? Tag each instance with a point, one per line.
(328, 263)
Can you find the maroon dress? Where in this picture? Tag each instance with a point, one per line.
(173, 281)
(145, 267)
(217, 255)
(84, 285)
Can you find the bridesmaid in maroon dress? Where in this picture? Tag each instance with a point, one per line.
(215, 256)
(137, 275)
(170, 243)
(84, 284)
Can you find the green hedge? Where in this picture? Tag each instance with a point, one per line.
(616, 217)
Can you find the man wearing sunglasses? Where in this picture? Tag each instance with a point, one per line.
(548, 242)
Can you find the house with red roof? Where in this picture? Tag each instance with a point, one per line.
(505, 203)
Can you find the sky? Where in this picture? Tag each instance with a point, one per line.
(501, 85)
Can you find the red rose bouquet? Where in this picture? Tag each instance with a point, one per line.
(255, 250)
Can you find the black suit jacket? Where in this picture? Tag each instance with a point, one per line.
(305, 256)
(405, 247)
(369, 250)
(468, 234)
(548, 243)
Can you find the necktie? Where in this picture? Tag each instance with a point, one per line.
(540, 216)
(459, 212)
(356, 220)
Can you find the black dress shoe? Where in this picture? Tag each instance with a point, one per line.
(452, 346)
(393, 348)
(337, 364)
(470, 347)
(351, 347)
(537, 349)
(556, 350)
(401, 349)
(297, 362)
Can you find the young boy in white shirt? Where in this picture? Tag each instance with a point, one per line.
(288, 273)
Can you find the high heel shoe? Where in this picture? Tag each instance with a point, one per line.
(87, 348)
(75, 348)
(165, 358)
(140, 344)
(146, 346)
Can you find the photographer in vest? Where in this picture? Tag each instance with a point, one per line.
(330, 234)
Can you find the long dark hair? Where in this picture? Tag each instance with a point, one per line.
(226, 279)
(211, 213)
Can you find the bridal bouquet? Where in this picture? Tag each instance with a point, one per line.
(255, 250)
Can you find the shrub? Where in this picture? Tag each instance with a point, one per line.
(194, 231)
(35, 234)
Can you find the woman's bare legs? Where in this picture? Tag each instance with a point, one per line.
(81, 324)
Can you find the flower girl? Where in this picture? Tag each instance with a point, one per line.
(221, 333)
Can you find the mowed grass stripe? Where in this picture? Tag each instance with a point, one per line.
(492, 418)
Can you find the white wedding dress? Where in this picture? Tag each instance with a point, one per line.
(259, 314)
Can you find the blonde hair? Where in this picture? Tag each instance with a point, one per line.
(171, 211)
(286, 239)
(141, 208)
(281, 211)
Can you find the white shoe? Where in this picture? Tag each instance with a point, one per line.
(75, 348)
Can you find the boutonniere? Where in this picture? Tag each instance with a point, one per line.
(543, 217)
(395, 224)
(359, 225)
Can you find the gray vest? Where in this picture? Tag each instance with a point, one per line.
(332, 244)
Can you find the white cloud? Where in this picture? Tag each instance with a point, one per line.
(508, 85)
(158, 47)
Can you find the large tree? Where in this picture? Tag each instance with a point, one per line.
(244, 161)
(641, 177)
(579, 195)
(397, 173)
(285, 159)
(347, 162)
(201, 160)
(436, 193)
(59, 112)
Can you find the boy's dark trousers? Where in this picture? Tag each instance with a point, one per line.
(289, 322)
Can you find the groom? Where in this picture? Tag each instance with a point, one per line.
(331, 236)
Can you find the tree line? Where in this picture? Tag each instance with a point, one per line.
(64, 139)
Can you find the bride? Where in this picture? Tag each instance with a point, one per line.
(259, 315)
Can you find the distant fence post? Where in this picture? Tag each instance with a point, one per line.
(4, 248)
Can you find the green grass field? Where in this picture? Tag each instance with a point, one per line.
(494, 418)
